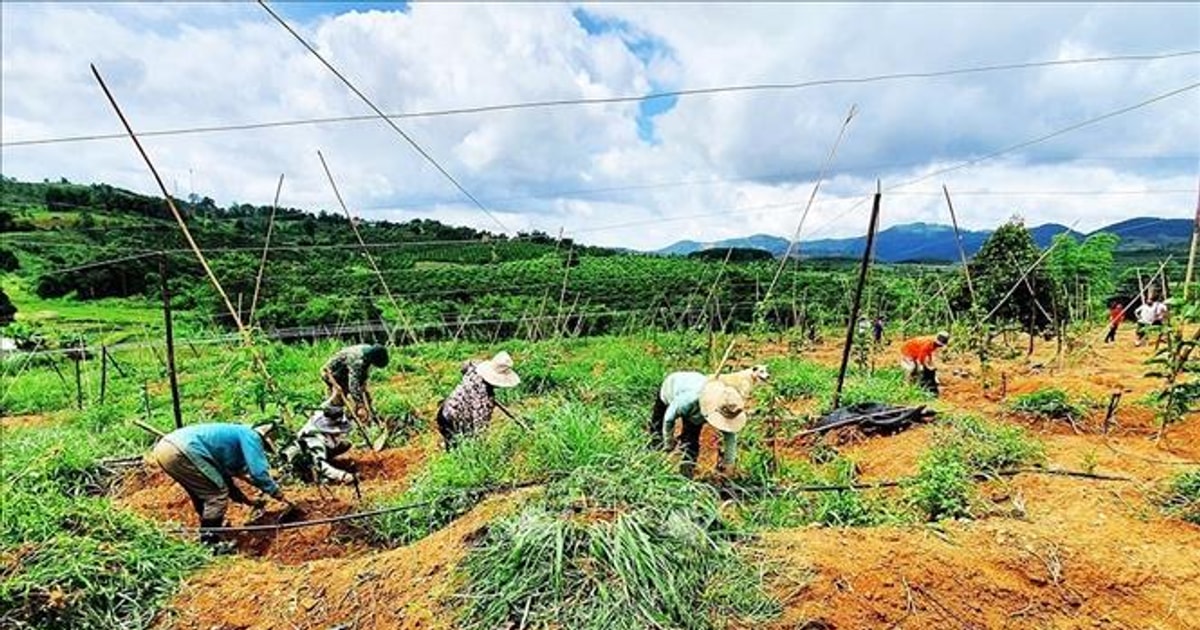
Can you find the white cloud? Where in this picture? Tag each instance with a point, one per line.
(723, 165)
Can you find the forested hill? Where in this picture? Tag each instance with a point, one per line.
(78, 243)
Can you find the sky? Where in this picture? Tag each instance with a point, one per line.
(636, 174)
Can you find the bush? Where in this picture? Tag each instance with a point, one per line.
(1051, 403)
(1181, 499)
(943, 485)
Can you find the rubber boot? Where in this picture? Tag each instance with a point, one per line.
(212, 540)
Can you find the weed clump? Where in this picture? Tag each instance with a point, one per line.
(622, 544)
(987, 448)
(1181, 498)
(1050, 404)
(943, 485)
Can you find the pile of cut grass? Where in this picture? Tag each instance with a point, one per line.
(614, 544)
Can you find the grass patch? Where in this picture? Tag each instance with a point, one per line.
(68, 559)
(1050, 404)
(1181, 497)
(622, 544)
(986, 447)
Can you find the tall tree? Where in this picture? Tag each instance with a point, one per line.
(998, 266)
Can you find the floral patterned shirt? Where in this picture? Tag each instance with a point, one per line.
(469, 407)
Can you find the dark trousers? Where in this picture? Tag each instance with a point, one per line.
(446, 428)
(689, 437)
(1112, 334)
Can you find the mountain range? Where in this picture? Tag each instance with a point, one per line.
(935, 242)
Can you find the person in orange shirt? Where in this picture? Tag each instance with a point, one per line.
(918, 353)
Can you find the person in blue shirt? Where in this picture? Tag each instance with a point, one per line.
(697, 399)
(204, 459)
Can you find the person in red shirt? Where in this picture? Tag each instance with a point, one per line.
(918, 353)
(1116, 314)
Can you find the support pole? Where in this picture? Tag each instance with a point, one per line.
(1187, 279)
(166, 303)
(862, 278)
(962, 253)
(78, 380)
(103, 372)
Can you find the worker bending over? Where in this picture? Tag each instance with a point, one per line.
(695, 399)
(204, 459)
(321, 439)
(346, 374)
(468, 409)
(916, 355)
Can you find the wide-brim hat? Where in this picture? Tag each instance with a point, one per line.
(943, 338)
(332, 419)
(498, 371)
(722, 407)
(266, 431)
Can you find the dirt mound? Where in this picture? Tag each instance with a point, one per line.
(151, 493)
(26, 422)
(400, 588)
(1084, 560)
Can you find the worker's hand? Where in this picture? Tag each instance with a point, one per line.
(670, 444)
(258, 509)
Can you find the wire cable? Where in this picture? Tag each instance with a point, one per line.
(379, 112)
(756, 87)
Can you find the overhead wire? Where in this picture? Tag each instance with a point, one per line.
(379, 112)
(663, 94)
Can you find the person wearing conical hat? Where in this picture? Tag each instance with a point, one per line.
(697, 399)
(321, 439)
(468, 409)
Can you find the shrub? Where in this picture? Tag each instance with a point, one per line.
(1181, 498)
(1051, 403)
(942, 487)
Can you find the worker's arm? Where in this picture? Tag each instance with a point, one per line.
(257, 467)
(683, 405)
(728, 450)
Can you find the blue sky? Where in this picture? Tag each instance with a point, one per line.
(308, 11)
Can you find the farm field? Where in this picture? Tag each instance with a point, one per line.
(942, 549)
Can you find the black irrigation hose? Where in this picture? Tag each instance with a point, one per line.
(978, 477)
(349, 517)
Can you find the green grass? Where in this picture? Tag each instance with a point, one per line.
(1051, 404)
(1181, 497)
(71, 560)
(626, 544)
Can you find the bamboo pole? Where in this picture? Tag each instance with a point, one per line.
(262, 264)
(962, 253)
(170, 338)
(370, 259)
(862, 278)
(1187, 280)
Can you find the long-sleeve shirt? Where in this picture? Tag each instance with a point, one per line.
(920, 349)
(681, 392)
(222, 451)
(469, 407)
(312, 447)
(349, 365)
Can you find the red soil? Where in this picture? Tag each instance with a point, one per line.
(1049, 552)
(153, 494)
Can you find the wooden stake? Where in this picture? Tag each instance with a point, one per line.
(103, 372)
(862, 277)
(170, 335)
(962, 253)
(1187, 279)
(78, 381)
(262, 264)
